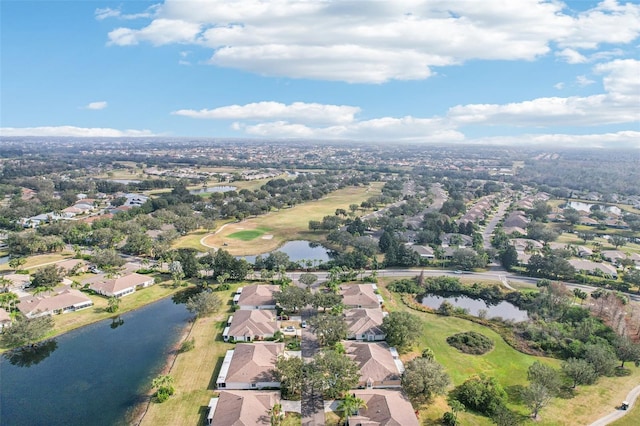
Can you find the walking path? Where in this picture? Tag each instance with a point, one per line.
(210, 234)
(611, 417)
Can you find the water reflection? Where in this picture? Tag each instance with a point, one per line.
(502, 309)
(30, 355)
(116, 322)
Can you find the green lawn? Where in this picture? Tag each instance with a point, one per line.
(195, 372)
(248, 235)
(510, 368)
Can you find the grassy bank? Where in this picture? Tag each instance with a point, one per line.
(509, 366)
(195, 372)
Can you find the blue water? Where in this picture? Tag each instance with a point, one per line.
(223, 188)
(298, 250)
(503, 309)
(95, 375)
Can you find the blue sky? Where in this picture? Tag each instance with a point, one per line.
(525, 72)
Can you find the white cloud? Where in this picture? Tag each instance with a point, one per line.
(623, 139)
(96, 105)
(158, 33)
(619, 104)
(572, 56)
(373, 42)
(559, 86)
(583, 81)
(609, 22)
(380, 129)
(72, 131)
(107, 12)
(298, 111)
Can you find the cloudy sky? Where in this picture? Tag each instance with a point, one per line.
(455, 71)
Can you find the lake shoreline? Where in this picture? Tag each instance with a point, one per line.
(55, 333)
(138, 413)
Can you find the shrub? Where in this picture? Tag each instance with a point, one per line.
(471, 343)
(446, 309)
(222, 287)
(482, 394)
(188, 345)
(449, 419)
(164, 393)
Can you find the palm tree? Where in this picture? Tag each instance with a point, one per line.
(162, 381)
(276, 415)
(4, 285)
(350, 405)
(113, 304)
(438, 253)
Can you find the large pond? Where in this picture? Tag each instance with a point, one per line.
(299, 250)
(503, 309)
(95, 375)
(586, 207)
(223, 188)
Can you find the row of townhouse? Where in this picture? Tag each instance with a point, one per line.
(65, 298)
(246, 376)
(247, 384)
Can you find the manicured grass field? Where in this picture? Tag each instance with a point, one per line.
(195, 372)
(248, 235)
(510, 368)
(605, 245)
(40, 260)
(288, 224)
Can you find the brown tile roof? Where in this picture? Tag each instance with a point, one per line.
(92, 219)
(115, 285)
(258, 295)
(69, 264)
(4, 316)
(384, 408)
(254, 362)
(244, 408)
(18, 279)
(375, 361)
(65, 298)
(364, 321)
(359, 295)
(253, 323)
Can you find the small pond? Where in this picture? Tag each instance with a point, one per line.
(124, 181)
(503, 309)
(299, 250)
(210, 189)
(4, 259)
(586, 207)
(94, 375)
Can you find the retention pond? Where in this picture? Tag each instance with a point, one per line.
(95, 375)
